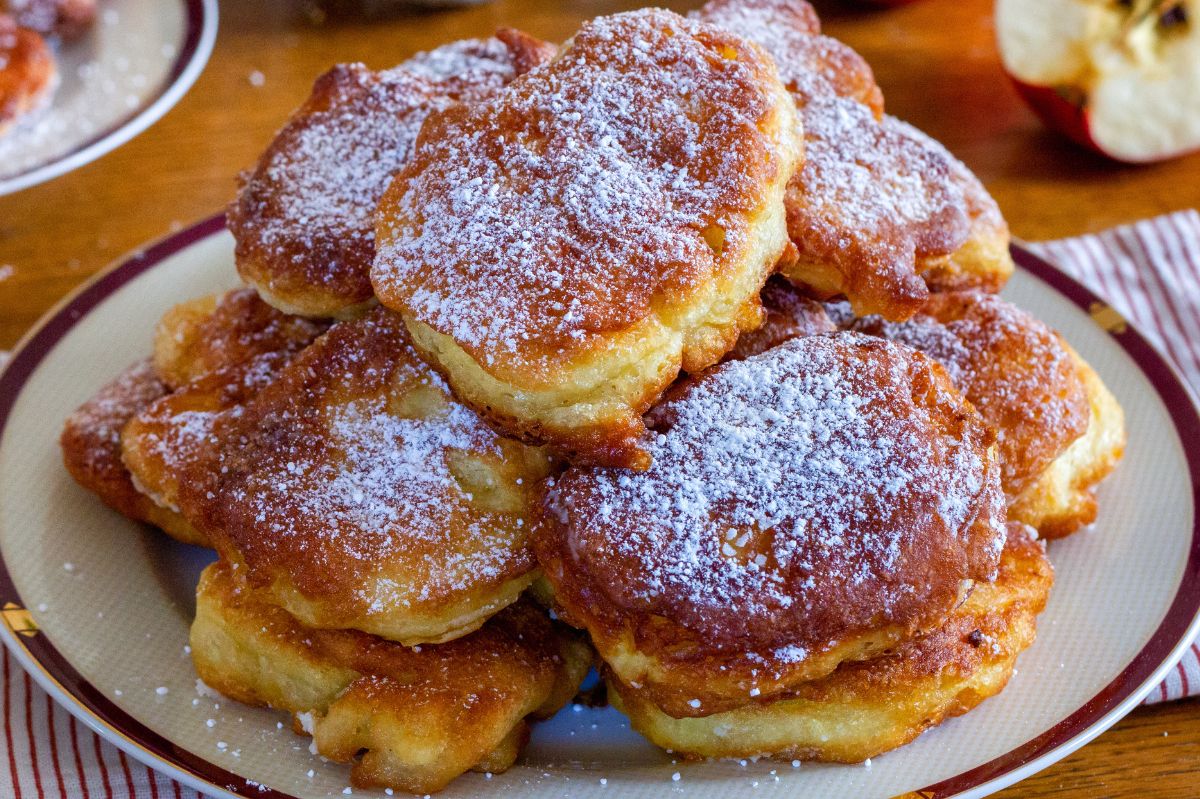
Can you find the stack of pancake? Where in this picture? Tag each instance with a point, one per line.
(668, 334)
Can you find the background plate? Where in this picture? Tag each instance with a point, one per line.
(113, 600)
(116, 80)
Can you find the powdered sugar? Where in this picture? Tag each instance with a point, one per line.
(308, 209)
(103, 417)
(344, 469)
(859, 173)
(785, 486)
(559, 208)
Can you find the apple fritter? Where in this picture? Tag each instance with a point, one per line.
(1063, 498)
(817, 503)
(561, 250)
(983, 261)
(91, 447)
(221, 342)
(304, 217)
(412, 719)
(219, 331)
(1019, 374)
(351, 487)
(877, 204)
(869, 707)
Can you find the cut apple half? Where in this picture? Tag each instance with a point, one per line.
(1119, 76)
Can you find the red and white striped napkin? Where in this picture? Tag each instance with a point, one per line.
(1149, 271)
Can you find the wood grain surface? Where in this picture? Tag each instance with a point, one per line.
(935, 59)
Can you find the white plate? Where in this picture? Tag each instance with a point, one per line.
(112, 627)
(135, 63)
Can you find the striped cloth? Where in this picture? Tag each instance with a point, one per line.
(1149, 271)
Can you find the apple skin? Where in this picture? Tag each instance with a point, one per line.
(1062, 111)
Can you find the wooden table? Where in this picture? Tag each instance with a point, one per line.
(935, 60)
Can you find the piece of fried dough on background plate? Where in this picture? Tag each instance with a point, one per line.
(304, 217)
(869, 707)
(65, 18)
(406, 718)
(818, 503)
(561, 250)
(355, 492)
(27, 71)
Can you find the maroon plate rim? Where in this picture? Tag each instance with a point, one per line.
(94, 708)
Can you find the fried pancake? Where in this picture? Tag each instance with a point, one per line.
(877, 203)
(205, 335)
(1059, 430)
(304, 218)
(354, 491)
(869, 707)
(818, 503)
(811, 66)
(176, 431)
(27, 71)
(562, 250)
(1018, 373)
(212, 354)
(65, 18)
(91, 447)
(410, 719)
(983, 261)
(1063, 499)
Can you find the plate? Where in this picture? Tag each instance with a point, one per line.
(97, 608)
(119, 78)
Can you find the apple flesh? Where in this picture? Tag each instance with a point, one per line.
(1121, 77)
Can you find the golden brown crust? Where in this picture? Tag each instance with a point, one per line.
(304, 218)
(811, 66)
(350, 486)
(590, 264)
(91, 448)
(983, 261)
(1017, 372)
(877, 203)
(27, 71)
(411, 719)
(743, 559)
(1063, 499)
(869, 707)
(870, 210)
(211, 333)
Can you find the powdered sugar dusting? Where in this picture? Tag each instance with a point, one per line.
(558, 209)
(786, 488)
(477, 65)
(310, 204)
(1012, 367)
(101, 419)
(866, 179)
(330, 471)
